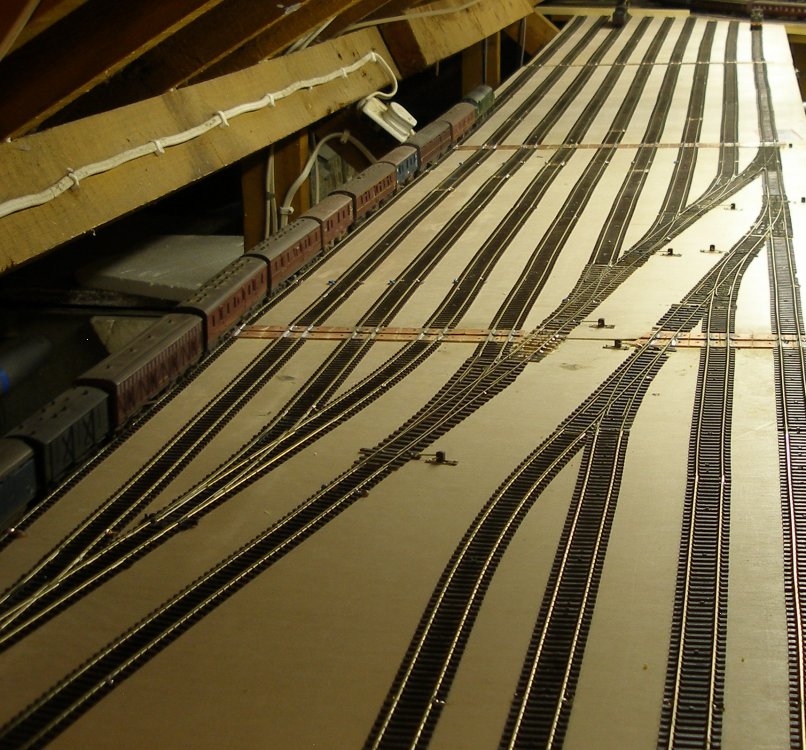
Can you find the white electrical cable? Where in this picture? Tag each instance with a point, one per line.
(308, 40)
(344, 136)
(409, 16)
(221, 118)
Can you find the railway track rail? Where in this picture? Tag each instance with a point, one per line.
(545, 692)
(146, 484)
(218, 487)
(60, 706)
(786, 316)
(694, 692)
(94, 534)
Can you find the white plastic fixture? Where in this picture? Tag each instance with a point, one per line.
(393, 118)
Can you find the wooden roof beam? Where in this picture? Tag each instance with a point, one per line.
(421, 42)
(14, 15)
(202, 45)
(361, 11)
(47, 13)
(270, 42)
(33, 163)
(538, 32)
(82, 50)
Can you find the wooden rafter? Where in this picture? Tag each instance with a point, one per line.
(82, 50)
(538, 32)
(47, 13)
(32, 163)
(14, 14)
(363, 11)
(306, 19)
(187, 55)
(421, 42)
(183, 55)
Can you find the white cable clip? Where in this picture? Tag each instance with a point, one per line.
(345, 136)
(343, 72)
(159, 149)
(223, 118)
(72, 176)
(286, 210)
(373, 56)
(270, 97)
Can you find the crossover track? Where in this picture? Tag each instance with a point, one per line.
(599, 429)
(146, 484)
(335, 369)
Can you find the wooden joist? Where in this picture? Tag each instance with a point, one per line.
(202, 46)
(46, 14)
(82, 50)
(14, 14)
(539, 32)
(361, 11)
(268, 43)
(421, 42)
(32, 163)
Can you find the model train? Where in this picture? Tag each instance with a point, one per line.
(42, 450)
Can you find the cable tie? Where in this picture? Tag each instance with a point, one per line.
(71, 174)
(224, 120)
(159, 149)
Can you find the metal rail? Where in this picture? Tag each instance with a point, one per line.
(50, 573)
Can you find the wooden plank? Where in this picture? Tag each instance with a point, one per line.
(270, 42)
(185, 54)
(437, 37)
(33, 163)
(362, 10)
(539, 32)
(799, 59)
(14, 15)
(290, 156)
(47, 13)
(492, 67)
(81, 51)
(253, 192)
(472, 63)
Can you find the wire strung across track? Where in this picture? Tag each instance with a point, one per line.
(311, 519)
(155, 475)
(145, 485)
(545, 692)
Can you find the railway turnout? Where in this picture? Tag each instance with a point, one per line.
(574, 285)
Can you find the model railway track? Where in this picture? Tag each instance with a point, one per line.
(694, 693)
(180, 449)
(611, 238)
(222, 484)
(350, 280)
(113, 515)
(693, 699)
(545, 693)
(543, 700)
(790, 390)
(61, 705)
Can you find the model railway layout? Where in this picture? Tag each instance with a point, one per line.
(497, 543)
